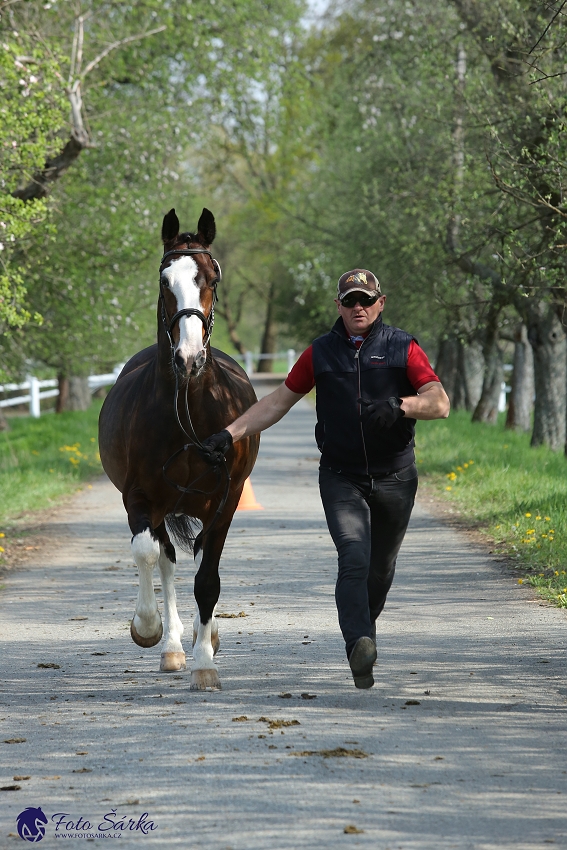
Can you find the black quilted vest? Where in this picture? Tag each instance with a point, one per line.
(377, 370)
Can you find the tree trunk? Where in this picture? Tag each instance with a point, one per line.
(547, 338)
(521, 402)
(63, 397)
(447, 365)
(79, 394)
(470, 375)
(270, 331)
(487, 407)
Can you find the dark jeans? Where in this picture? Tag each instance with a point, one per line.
(367, 519)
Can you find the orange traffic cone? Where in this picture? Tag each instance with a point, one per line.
(247, 499)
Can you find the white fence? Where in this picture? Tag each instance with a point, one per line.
(249, 358)
(36, 390)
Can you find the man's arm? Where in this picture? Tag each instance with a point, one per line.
(264, 413)
(431, 402)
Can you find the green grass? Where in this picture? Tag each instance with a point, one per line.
(517, 494)
(42, 460)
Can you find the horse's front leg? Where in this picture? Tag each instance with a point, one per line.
(172, 656)
(145, 628)
(204, 674)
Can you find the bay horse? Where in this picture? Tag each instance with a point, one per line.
(167, 398)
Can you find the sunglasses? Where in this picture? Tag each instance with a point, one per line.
(362, 298)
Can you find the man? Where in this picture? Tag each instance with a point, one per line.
(372, 382)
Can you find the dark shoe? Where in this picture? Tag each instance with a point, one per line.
(361, 661)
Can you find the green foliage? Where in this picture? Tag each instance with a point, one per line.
(517, 494)
(44, 459)
(95, 282)
(31, 115)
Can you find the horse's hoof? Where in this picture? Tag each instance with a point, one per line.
(171, 662)
(143, 641)
(215, 641)
(205, 680)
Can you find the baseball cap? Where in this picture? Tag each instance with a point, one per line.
(358, 280)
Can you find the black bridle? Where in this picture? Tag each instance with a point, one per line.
(208, 324)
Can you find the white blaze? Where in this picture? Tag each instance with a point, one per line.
(181, 278)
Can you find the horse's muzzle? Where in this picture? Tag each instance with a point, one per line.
(191, 368)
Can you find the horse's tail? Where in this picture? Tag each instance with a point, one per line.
(184, 530)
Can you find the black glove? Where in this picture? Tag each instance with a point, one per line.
(214, 448)
(379, 416)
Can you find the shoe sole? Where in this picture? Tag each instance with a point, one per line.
(361, 661)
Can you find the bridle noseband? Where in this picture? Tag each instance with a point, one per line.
(208, 323)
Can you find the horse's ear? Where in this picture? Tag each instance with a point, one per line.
(170, 226)
(207, 227)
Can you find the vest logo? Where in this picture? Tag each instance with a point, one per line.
(377, 356)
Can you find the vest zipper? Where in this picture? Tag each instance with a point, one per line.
(356, 357)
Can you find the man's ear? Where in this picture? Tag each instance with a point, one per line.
(170, 227)
(206, 228)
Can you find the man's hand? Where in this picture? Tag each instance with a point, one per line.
(214, 448)
(378, 416)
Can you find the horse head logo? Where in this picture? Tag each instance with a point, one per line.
(31, 824)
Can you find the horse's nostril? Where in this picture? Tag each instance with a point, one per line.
(179, 362)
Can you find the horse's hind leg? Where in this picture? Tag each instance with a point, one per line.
(145, 628)
(204, 674)
(172, 656)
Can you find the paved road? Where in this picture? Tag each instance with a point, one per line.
(478, 763)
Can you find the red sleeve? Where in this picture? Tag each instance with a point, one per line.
(419, 370)
(301, 378)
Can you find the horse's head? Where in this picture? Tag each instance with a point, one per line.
(188, 278)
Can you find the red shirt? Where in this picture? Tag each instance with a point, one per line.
(301, 379)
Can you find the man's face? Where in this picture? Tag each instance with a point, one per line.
(359, 319)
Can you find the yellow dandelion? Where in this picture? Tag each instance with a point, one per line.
(1, 548)
(459, 469)
(448, 488)
(547, 519)
(538, 517)
(520, 581)
(528, 514)
(93, 439)
(496, 527)
(556, 572)
(544, 536)
(530, 531)
(552, 531)
(471, 461)
(465, 465)
(2, 534)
